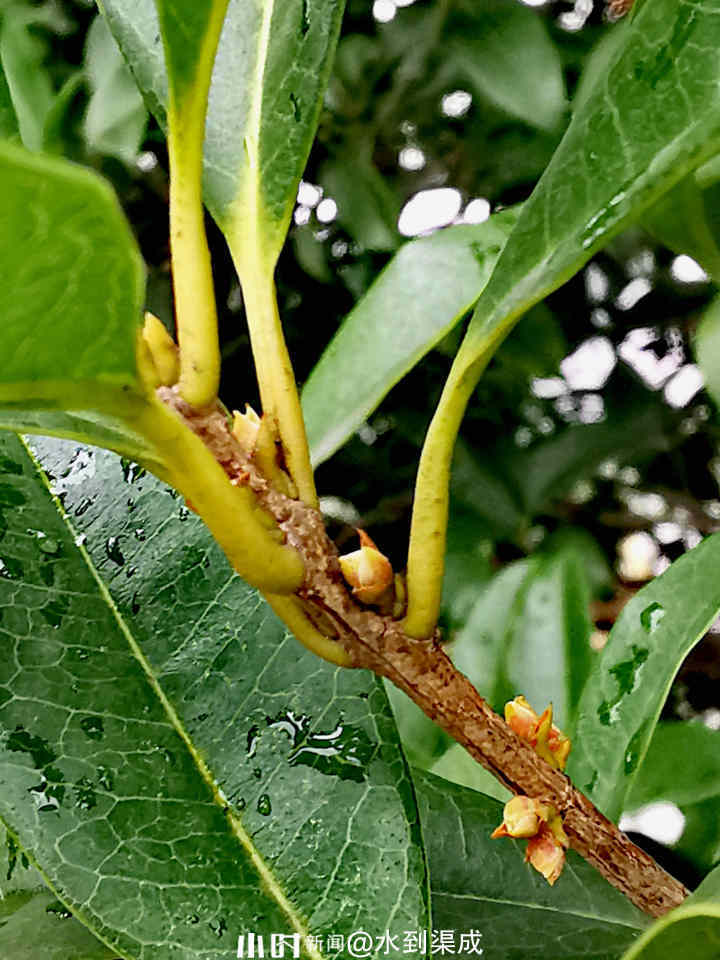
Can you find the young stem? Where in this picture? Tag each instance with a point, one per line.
(195, 312)
(428, 528)
(278, 390)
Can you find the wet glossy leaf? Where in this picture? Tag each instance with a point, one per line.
(625, 692)
(37, 925)
(270, 72)
(693, 930)
(179, 766)
(653, 119)
(70, 298)
(682, 765)
(395, 324)
(483, 884)
(116, 115)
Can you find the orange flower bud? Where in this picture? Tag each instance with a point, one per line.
(367, 571)
(546, 854)
(520, 819)
(548, 741)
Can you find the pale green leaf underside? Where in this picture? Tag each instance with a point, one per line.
(483, 884)
(270, 72)
(401, 317)
(71, 293)
(168, 776)
(628, 685)
(652, 117)
(693, 930)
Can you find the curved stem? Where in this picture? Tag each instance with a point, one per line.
(428, 528)
(290, 611)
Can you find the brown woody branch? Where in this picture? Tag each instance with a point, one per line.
(423, 671)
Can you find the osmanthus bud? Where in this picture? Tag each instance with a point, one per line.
(367, 571)
(547, 740)
(245, 428)
(520, 819)
(546, 853)
(163, 350)
(542, 825)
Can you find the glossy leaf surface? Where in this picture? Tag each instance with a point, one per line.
(626, 690)
(396, 323)
(270, 71)
(178, 765)
(483, 884)
(653, 117)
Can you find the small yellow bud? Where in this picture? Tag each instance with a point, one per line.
(367, 571)
(245, 428)
(520, 818)
(163, 350)
(547, 740)
(546, 854)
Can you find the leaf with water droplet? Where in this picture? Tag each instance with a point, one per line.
(148, 716)
(651, 616)
(627, 687)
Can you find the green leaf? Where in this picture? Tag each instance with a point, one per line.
(9, 128)
(692, 930)
(707, 348)
(653, 119)
(626, 690)
(459, 767)
(682, 765)
(528, 633)
(23, 54)
(396, 323)
(37, 925)
(70, 298)
(116, 116)
(547, 470)
(181, 769)
(700, 840)
(508, 57)
(479, 649)
(680, 221)
(270, 72)
(483, 884)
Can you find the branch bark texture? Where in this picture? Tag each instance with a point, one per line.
(423, 670)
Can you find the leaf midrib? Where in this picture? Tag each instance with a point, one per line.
(536, 906)
(270, 882)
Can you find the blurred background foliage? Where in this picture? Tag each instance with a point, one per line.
(589, 455)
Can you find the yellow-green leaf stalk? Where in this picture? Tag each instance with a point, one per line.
(276, 379)
(195, 312)
(428, 529)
